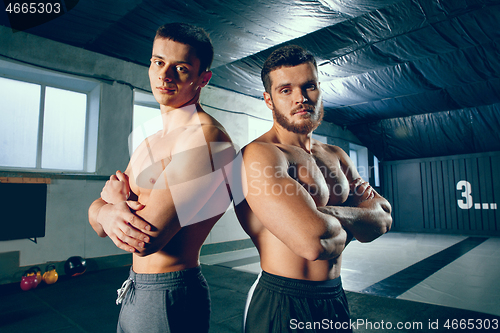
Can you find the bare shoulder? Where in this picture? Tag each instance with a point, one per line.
(205, 131)
(347, 165)
(332, 149)
(265, 153)
(212, 129)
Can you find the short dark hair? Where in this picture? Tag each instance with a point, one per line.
(285, 56)
(193, 36)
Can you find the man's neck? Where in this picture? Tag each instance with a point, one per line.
(174, 118)
(287, 137)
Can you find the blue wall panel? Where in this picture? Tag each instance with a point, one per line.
(455, 194)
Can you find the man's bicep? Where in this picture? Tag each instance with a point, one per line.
(187, 183)
(271, 193)
(282, 205)
(160, 213)
(190, 183)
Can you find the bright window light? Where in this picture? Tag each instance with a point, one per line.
(146, 121)
(64, 129)
(49, 121)
(19, 110)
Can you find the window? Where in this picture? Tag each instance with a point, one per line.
(257, 127)
(376, 172)
(360, 157)
(146, 119)
(20, 110)
(320, 138)
(353, 154)
(49, 121)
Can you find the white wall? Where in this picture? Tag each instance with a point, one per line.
(244, 117)
(68, 232)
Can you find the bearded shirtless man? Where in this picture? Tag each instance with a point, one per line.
(304, 201)
(172, 193)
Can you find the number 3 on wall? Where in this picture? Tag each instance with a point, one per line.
(465, 203)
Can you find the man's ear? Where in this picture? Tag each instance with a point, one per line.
(269, 100)
(206, 76)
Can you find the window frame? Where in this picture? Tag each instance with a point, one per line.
(142, 99)
(92, 88)
(363, 160)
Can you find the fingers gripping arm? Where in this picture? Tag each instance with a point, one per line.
(365, 214)
(119, 223)
(117, 188)
(367, 221)
(116, 219)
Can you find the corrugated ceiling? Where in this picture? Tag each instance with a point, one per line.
(410, 78)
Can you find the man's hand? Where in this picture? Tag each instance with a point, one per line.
(123, 226)
(117, 188)
(360, 191)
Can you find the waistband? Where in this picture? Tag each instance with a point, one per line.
(167, 279)
(301, 288)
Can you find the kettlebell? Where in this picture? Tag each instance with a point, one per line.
(29, 280)
(50, 276)
(26, 283)
(34, 277)
(38, 273)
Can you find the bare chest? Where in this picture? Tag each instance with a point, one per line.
(320, 174)
(147, 165)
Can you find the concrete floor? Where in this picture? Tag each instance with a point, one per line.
(418, 282)
(455, 271)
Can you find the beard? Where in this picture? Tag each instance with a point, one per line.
(304, 127)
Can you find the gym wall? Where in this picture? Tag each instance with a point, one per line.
(455, 194)
(68, 196)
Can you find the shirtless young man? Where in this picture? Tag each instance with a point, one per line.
(304, 202)
(172, 193)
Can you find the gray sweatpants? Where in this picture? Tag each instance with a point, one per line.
(166, 303)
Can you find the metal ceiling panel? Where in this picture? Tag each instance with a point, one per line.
(411, 78)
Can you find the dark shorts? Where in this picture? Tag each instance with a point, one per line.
(167, 302)
(279, 304)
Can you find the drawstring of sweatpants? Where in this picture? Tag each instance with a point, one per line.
(123, 291)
